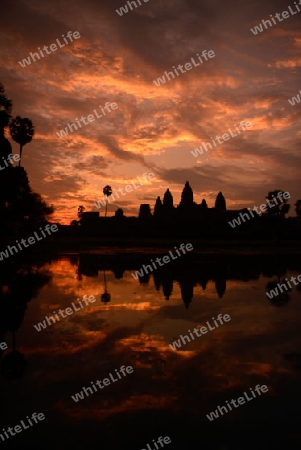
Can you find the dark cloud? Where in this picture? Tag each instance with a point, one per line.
(116, 60)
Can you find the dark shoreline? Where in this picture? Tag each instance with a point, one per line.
(97, 244)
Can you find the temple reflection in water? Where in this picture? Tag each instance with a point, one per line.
(195, 271)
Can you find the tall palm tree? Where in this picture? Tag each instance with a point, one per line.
(105, 297)
(22, 131)
(107, 190)
(80, 211)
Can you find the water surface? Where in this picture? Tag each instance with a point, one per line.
(133, 322)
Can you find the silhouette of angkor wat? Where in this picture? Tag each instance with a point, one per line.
(188, 219)
(164, 214)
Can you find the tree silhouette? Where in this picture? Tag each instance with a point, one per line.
(105, 297)
(283, 297)
(80, 212)
(279, 207)
(22, 283)
(5, 109)
(298, 208)
(33, 209)
(107, 190)
(119, 213)
(276, 211)
(21, 209)
(21, 131)
(14, 364)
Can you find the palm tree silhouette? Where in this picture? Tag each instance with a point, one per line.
(105, 297)
(107, 190)
(21, 131)
(80, 211)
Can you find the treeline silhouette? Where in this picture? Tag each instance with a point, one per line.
(21, 209)
(19, 284)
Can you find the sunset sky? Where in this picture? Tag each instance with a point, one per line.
(154, 128)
